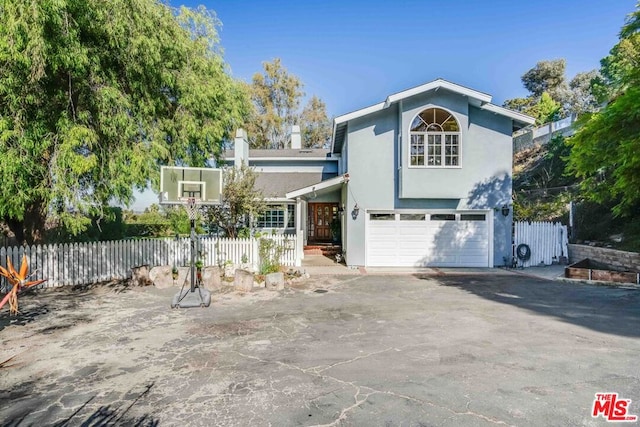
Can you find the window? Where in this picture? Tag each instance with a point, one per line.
(276, 216)
(412, 217)
(443, 217)
(435, 139)
(382, 217)
(473, 217)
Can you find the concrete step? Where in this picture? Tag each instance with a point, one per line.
(328, 250)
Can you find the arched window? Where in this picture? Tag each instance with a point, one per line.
(435, 139)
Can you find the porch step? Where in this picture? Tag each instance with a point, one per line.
(327, 250)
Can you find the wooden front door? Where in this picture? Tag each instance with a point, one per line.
(320, 217)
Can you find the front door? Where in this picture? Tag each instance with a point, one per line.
(320, 217)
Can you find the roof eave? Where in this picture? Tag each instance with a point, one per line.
(514, 115)
(322, 185)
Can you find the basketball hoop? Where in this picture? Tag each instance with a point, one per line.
(192, 208)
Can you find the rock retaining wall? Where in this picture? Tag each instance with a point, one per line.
(618, 260)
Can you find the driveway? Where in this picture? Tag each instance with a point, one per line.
(388, 350)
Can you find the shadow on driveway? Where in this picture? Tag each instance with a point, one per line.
(605, 309)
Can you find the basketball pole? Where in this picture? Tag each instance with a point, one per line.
(193, 255)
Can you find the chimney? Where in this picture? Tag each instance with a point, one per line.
(296, 138)
(241, 148)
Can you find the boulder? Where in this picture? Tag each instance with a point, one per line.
(243, 280)
(140, 276)
(212, 278)
(274, 281)
(162, 278)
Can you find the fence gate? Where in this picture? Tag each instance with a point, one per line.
(547, 243)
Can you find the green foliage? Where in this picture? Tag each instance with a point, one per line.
(546, 76)
(153, 222)
(605, 152)
(540, 206)
(542, 189)
(582, 96)
(244, 233)
(241, 201)
(94, 95)
(180, 222)
(270, 253)
(316, 127)
(550, 97)
(110, 226)
(546, 110)
(276, 96)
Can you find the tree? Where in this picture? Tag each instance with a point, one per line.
(276, 97)
(547, 76)
(241, 200)
(316, 128)
(582, 98)
(605, 153)
(546, 110)
(94, 95)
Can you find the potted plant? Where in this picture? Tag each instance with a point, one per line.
(174, 273)
(199, 266)
(336, 230)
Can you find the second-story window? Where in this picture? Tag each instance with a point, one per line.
(435, 139)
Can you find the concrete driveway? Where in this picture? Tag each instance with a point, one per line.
(388, 350)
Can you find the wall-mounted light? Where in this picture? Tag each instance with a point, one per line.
(340, 208)
(505, 210)
(355, 211)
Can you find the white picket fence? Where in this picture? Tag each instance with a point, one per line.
(547, 241)
(85, 263)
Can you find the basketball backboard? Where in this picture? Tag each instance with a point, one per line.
(178, 184)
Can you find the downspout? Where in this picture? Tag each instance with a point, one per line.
(399, 171)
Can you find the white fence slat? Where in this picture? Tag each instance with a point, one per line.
(86, 263)
(547, 242)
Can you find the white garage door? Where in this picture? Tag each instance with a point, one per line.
(428, 239)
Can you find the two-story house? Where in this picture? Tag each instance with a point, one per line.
(420, 179)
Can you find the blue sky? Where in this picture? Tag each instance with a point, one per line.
(354, 53)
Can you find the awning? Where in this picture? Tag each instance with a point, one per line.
(319, 188)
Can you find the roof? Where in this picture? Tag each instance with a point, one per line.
(476, 98)
(320, 187)
(287, 153)
(278, 184)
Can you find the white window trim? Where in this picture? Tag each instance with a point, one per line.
(426, 166)
(280, 207)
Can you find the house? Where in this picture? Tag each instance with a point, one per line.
(422, 178)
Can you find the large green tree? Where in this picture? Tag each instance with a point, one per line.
(316, 127)
(605, 151)
(547, 85)
(277, 96)
(95, 94)
(547, 76)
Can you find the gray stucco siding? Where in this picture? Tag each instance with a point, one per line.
(377, 163)
(371, 142)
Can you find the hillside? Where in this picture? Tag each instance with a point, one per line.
(542, 192)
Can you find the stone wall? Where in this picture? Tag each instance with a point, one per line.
(618, 260)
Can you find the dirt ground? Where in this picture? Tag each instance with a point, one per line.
(393, 350)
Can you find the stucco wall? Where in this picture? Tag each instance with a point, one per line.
(483, 181)
(618, 259)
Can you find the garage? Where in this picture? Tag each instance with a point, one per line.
(428, 239)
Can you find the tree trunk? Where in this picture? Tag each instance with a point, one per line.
(16, 227)
(30, 230)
